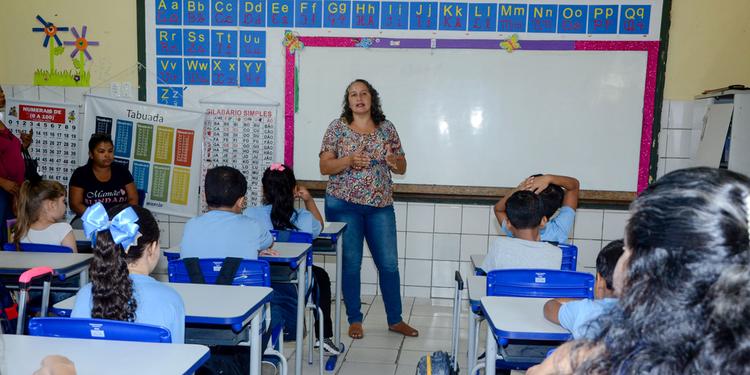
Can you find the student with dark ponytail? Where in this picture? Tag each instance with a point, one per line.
(126, 251)
(280, 189)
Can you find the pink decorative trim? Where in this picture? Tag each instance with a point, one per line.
(651, 48)
(649, 94)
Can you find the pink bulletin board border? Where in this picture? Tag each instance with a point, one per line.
(651, 48)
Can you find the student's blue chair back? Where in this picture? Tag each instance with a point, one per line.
(38, 248)
(291, 236)
(249, 273)
(98, 329)
(569, 256)
(540, 283)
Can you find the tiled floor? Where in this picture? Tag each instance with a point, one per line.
(382, 352)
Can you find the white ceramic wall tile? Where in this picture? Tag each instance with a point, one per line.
(24, 92)
(665, 113)
(100, 91)
(367, 290)
(164, 240)
(446, 246)
(614, 224)
(495, 228)
(680, 114)
(447, 218)
(417, 272)
(75, 95)
(178, 219)
(675, 164)
(415, 291)
(443, 273)
(473, 244)
(400, 209)
(52, 94)
(401, 244)
(466, 270)
(475, 220)
(587, 252)
(661, 168)
(369, 272)
(663, 135)
(588, 224)
(419, 245)
(175, 233)
(420, 217)
(678, 143)
(443, 292)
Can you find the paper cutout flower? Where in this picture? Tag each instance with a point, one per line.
(363, 42)
(511, 44)
(50, 30)
(292, 42)
(81, 44)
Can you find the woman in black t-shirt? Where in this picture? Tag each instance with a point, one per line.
(100, 180)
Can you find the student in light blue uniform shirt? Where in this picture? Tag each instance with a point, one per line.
(580, 316)
(557, 192)
(125, 253)
(280, 189)
(223, 231)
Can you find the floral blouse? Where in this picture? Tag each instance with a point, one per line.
(370, 186)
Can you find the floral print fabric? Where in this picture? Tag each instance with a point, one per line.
(369, 186)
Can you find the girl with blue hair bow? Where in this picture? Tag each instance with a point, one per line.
(126, 250)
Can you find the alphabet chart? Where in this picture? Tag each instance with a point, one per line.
(242, 137)
(56, 135)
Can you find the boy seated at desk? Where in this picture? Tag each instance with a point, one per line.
(525, 212)
(560, 199)
(579, 316)
(224, 231)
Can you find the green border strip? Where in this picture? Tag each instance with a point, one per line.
(140, 6)
(659, 94)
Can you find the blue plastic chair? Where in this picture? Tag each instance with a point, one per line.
(537, 283)
(98, 329)
(540, 283)
(569, 256)
(250, 272)
(38, 248)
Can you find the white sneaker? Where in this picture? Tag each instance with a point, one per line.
(329, 346)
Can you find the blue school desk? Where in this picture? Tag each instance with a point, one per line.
(476, 264)
(477, 286)
(224, 308)
(517, 318)
(23, 355)
(335, 232)
(65, 265)
(295, 256)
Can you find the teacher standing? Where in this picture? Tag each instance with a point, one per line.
(360, 150)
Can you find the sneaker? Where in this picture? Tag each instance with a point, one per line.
(329, 346)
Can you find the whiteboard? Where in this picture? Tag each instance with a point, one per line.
(487, 117)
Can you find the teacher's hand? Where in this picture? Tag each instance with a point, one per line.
(393, 159)
(358, 160)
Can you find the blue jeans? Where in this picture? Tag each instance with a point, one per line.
(378, 226)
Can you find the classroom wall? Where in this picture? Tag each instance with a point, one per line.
(112, 23)
(708, 46)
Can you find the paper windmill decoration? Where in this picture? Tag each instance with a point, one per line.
(50, 30)
(81, 43)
